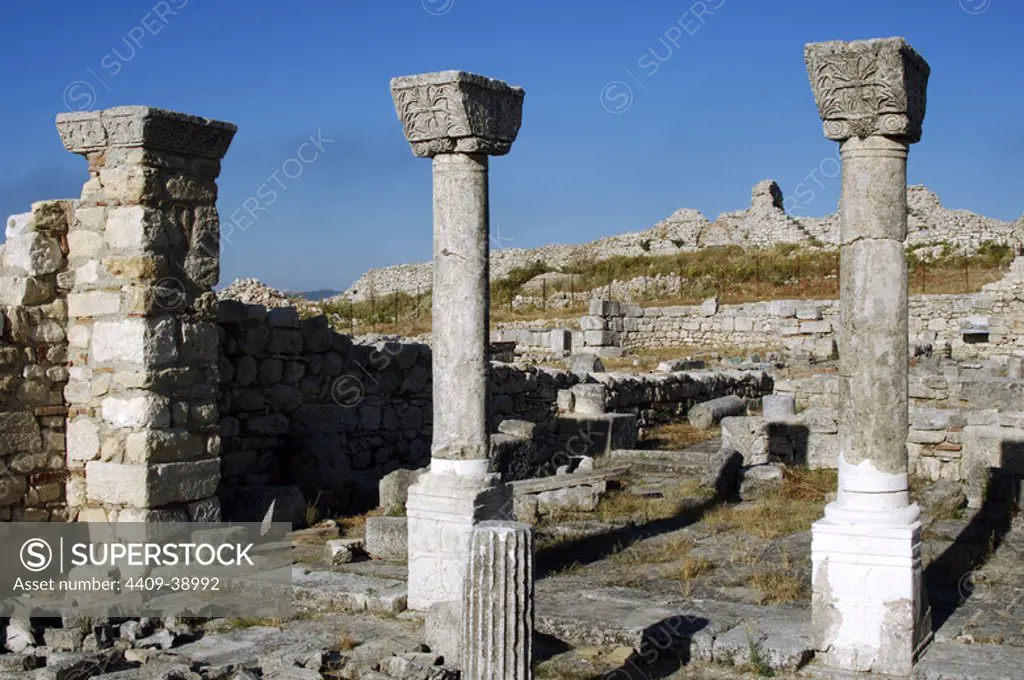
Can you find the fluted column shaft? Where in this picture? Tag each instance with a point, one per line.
(497, 623)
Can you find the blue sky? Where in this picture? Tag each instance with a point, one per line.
(715, 103)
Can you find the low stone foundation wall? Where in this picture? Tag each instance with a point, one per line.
(960, 424)
(807, 328)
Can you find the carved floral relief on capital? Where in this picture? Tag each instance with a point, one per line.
(465, 114)
(147, 128)
(868, 87)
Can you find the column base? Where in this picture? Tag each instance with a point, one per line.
(869, 611)
(442, 509)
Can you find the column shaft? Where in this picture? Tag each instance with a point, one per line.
(497, 624)
(873, 338)
(460, 307)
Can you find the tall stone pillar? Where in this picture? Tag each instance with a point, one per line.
(143, 426)
(497, 622)
(869, 611)
(458, 120)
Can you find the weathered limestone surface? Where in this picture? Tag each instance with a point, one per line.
(143, 257)
(457, 119)
(33, 365)
(868, 608)
(498, 616)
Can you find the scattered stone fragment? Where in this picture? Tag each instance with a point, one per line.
(387, 538)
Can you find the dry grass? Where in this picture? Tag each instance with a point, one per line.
(346, 643)
(654, 551)
(805, 484)
(688, 571)
(622, 505)
(676, 436)
(732, 273)
(799, 503)
(777, 586)
(355, 525)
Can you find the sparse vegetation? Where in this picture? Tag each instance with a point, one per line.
(733, 273)
(758, 663)
(678, 435)
(776, 586)
(345, 642)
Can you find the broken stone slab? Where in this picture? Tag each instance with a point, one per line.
(778, 406)
(686, 463)
(748, 436)
(705, 415)
(67, 666)
(342, 550)
(443, 630)
(591, 399)
(760, 481)
(555, 482)
(677, 365)
(957, 661)
(19, 636)
(722, 473)
(523, 429)
(570, 499)
(387, 538)
(394, 487)
(330, 591)
(584, 363)
(598, 435)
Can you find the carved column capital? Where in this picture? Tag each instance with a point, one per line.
(868, 87)
(457, 112)
(145, 127)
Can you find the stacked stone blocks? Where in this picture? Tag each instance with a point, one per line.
(33, 356)
(143, 426)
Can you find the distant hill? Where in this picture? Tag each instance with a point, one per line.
(314, 295)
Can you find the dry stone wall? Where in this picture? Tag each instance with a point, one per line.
(304, 406)
(33, 364)
(806, 327)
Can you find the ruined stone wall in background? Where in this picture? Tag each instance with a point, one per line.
(33, 358)
(770, 219)
(302, 406)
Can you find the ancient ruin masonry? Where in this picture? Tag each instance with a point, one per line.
(457, 120)
(868, 606)
(497, 622)
(33, 360)
(143, 255)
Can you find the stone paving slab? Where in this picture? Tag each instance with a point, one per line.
(704, 630)
(952, 661)
(689, 462)
(325, 591)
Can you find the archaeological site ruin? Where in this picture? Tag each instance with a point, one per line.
(587, 478)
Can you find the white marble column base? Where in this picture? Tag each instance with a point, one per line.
(869, 612)
(442, 509)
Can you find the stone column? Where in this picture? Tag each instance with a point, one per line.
(457, 119)
(497, 622)
(869, 612)
(143, 425)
